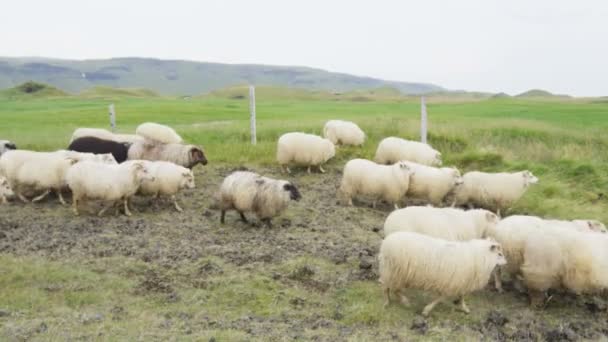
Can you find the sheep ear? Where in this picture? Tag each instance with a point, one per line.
(259, 181)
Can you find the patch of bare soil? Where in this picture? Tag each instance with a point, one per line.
(317, 226)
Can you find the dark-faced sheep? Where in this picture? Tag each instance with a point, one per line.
(184, 155)
(246, 191)
(6, 145)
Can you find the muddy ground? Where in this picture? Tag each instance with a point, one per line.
(320, 258)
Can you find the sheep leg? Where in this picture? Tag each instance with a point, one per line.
(3, 199)
(387, 297)
(243, 217)
(39, 198)
(222, 216)
(374, 204)
(75, 205)
(60, 195)
(285, 168)
(427, 309)
(463, 306)
(177, 207)
(321, 169)
(498, 280)
(350, 201)
(103, 210)
(402, 298)
(126, 202)
(22, 198)
(308, 169)
(396, 206)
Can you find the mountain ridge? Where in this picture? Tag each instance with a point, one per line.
(183, 77)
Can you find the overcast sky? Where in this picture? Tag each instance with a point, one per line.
(488, 45)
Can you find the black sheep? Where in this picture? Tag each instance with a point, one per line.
(100, 146)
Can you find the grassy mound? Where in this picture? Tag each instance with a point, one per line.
(30, 90)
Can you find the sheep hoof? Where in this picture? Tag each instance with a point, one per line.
(463, 308)
(404, 300)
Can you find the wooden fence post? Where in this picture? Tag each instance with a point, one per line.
(252, 114)
(112, 118)
(423, 120)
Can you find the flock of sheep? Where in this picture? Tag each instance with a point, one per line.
(437, 247)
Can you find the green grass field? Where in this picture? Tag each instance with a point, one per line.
(563, 142)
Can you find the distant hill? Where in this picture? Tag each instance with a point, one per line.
(500, 96)
(101, 91)
(176, 77)
(539, 93)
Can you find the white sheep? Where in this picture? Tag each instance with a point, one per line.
(184, 155)
(444, 223)
(46, 172)
(431, 183)
(158, 132)
(304, 149)
(43, 171)
(246, 191)
(388, 182)
(564, 258)
(5, 190)
(169, 179)
(11, 161)
(7, 145)
(512, 233)
(448, 268)
(494, 191)
(392, 149)
(105, 135)
(32, 172)
(108, 182)
(343, 132)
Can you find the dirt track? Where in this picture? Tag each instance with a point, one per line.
(314, 227)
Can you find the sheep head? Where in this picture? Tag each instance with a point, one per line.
(294, 194)
(141, 173)
(5, 188)
(496, 250)
(196, 156)
(529, 178)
